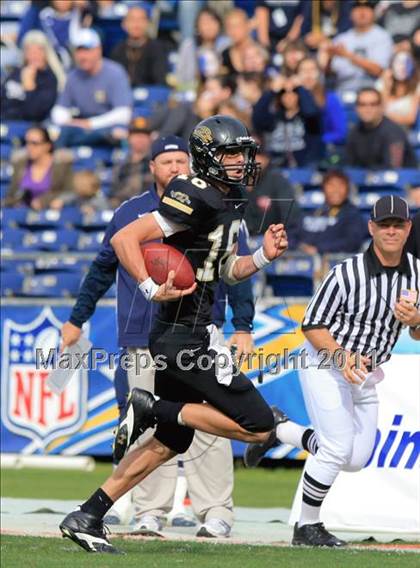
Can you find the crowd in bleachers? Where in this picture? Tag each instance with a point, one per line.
(328, 87)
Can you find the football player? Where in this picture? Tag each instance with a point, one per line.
(200, 215)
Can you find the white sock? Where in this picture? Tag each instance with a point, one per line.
(179, 419)
(314, 493)
(309, 515)
(290, 433)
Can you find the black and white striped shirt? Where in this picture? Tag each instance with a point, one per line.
(355, 302)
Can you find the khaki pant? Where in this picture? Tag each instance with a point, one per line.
(208, 467)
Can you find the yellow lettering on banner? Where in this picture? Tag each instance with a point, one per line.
(177, 205)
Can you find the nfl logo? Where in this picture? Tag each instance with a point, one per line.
(29, 408)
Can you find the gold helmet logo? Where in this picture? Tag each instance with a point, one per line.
(204, 134)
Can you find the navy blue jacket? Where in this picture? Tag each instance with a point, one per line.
(135, 313)
(334, 229)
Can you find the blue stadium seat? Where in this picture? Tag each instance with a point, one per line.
(11, 283)
(90, 157)
(299, 175)
(291, 276)
(5, 151)
(19, 240)
(62, 263)
(13, 216)
(6, 171)
(51, 218)
(11, 238)
(90, 242)
(13, 129)
(148, 97)
(21, 266)
(310, 200)
(356, 175)
(409, 177)
(365, 201)
(58, 285)
(383, 181)
(97, 221)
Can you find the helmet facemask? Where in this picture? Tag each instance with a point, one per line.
(214, 169)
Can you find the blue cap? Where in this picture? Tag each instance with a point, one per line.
(169, 144)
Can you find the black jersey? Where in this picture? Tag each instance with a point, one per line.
(212, 219)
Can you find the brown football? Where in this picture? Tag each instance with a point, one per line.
(160, 259)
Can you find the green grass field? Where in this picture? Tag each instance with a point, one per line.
(253, 488)
(30, 552)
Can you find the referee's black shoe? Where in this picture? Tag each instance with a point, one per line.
(137, 418)
(254, 453)
(88, 532)
(315, 535)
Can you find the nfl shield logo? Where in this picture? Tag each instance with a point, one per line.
(29, 407)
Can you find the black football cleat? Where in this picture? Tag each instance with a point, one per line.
(315, 535)
(137, 418)
(88, 532)
(254, 453)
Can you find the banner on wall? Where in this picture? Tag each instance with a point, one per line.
(81, 420)
(385, 495)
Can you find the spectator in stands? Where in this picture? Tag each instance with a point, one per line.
(40, 175)
(294, 52)
(376, 142)
(230, 108)
(290, 122)
(144, 59)
(29, 92)
(338, 225)
(132, 176)
(99, 90)
(333, 115)
(249, 89)
(272, 200)
(277, 21)
(255, 59)
(401, 19)
(60, 20)
(86, 194)
(199, 57)
(359, 56)
(238, 29)
(181, 118)
(400, 90)
(323, 20)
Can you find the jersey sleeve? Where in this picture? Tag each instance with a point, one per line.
(182, 203)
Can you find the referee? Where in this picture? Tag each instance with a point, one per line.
(361, 308)
(351, 326)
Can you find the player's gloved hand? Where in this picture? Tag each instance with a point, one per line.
(355, 368)
(275, 241)
(70, 334)
(168, 293)
(243, 342)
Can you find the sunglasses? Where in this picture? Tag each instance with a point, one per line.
(34, 142)
(371, 104)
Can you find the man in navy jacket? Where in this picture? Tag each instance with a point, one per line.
(209, 478)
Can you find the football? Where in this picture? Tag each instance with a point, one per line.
(160, 259)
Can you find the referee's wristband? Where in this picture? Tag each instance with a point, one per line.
(148, 288)
(259, 258)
